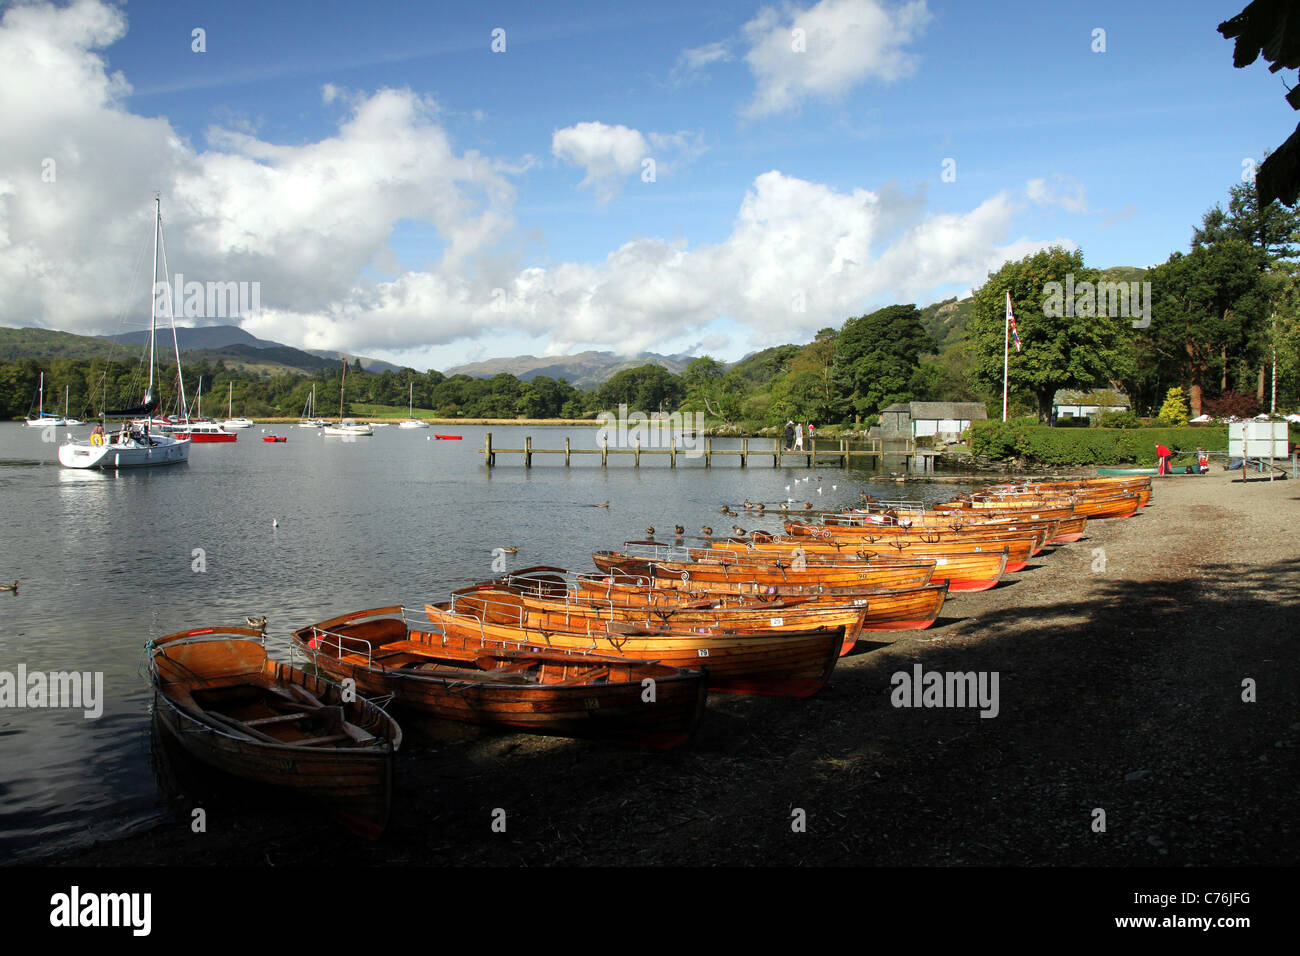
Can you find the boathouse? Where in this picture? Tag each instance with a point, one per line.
(943, 420)
(1070, 403)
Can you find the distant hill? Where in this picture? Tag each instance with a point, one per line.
(584, 370)
(204, 337)
(268, 358)
(369, 364)
(217, 341)
(946, 320)
(50, 344)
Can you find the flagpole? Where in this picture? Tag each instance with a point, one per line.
(1006, 354)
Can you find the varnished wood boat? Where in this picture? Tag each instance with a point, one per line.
(1063, 525)
(1023, 543)
(888, 609)
(972, 569)
(230, 706)
(513, 606)
(792, 663)
(859, 571)
(1115, 505)
(542, 691)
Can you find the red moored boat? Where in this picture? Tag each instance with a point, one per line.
(201, 432)
(274, 438)
(446, 437)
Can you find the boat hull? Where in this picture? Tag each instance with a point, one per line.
(375, 649)
(110, 456)
(793, 664)
(355, 782)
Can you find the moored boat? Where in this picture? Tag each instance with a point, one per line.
(229, 705)
(792, 663)
(569, 693)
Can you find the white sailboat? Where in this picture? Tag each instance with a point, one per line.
(68, 419)
(231, 421)
(411, 420)
(133, 446)
(42, 419)
(308, 411)
(347, 427)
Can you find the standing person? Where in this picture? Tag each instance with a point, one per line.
(798, 437)
(810, 432)
(1163, 454)
(789, 435)
(1202, 460)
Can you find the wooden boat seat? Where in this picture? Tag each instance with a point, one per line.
(586, 677)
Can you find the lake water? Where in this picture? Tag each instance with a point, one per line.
(108, 561)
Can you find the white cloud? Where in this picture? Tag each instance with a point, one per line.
(611, 154)
(691, 63)
(309, 220)
(825, 50)
(608, 154)
(1065, 191)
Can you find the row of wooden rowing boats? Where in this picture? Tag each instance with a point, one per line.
(627, 653)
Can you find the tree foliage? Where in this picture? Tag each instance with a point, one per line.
(1076, 349)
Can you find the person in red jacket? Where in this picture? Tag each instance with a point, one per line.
(1164, 454)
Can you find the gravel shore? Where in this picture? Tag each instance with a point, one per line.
(1120, 662)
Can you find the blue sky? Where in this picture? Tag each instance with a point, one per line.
(401, 190)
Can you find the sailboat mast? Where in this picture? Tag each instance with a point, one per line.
(40, 399)
(153, 300)
(343, 384)
(171, 316)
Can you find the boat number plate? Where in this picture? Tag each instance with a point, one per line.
(703, 652)
(859, 602)
(776, 621)
(941, 561)
(591, 703)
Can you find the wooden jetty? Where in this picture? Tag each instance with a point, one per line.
(837, 453)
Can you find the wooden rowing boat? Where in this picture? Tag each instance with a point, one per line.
(792, 664)
(972, 569)
(1063, 525)
(230, 706)
(512, 606)
(888, 609)
(540, 691)
(857, 570)
(1021, 544)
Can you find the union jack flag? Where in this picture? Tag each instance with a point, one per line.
(1011, 318)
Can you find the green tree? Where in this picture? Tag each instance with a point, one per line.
(1174, 410)
(1064, 344)
(1207, 311)
(875, 357)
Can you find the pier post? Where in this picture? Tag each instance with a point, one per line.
(844, 453)
(638, 451)
(566, 451)
(672, 453)
(777, 449)
(528, 451)
(488, 458)
(744, 451)
(708, 452)
(604, 453)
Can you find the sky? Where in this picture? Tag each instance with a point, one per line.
(432, 184)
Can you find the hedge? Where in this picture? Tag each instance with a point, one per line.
(1092, 446)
